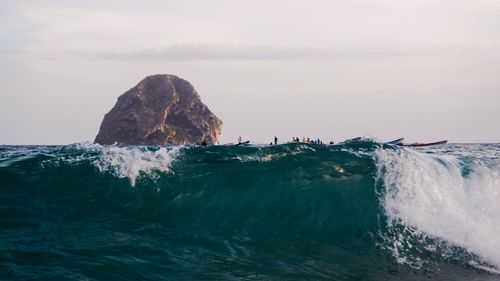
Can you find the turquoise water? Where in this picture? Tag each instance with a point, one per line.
(359, 210)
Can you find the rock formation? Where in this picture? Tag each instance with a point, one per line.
(161, 109)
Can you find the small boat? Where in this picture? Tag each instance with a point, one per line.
(242, 143)
(426, 144)
(396, 142)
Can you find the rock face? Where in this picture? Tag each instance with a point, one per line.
(161, 109)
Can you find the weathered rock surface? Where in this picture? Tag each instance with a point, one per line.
(161, 109)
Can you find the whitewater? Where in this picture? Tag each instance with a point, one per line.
(358, 210)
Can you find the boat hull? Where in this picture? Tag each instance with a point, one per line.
(426, 144)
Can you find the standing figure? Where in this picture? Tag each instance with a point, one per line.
(275, 140)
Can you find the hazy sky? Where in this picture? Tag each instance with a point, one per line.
(423, 69)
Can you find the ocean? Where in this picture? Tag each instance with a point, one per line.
(358, 210)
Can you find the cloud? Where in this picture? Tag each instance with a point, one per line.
(187, 52)
(212, 52)
(261, 30)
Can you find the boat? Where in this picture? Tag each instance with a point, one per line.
(396, 142)
(426, 144)
(242, 143)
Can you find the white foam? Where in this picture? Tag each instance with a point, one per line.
(429, 196)
(132, 162)
(264, 156)
(260, 158)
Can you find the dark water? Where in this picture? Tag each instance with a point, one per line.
(355, 211)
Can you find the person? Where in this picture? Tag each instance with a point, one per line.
(240, 139)
(275, 140)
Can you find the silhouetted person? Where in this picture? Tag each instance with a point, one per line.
(275, 140)
(240, 139)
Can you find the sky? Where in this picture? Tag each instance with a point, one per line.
(425, 70)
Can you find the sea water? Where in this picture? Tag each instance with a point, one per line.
(359, 210)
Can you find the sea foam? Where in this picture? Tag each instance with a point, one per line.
(126, 161)
(432, 196)
(131, 162)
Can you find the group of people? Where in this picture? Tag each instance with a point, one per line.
(294, 139)
(309, 140)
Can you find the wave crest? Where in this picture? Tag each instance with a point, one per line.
(127, 161)
(437, 203)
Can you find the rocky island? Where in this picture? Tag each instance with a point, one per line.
(161, 109)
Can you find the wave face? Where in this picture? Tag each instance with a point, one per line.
(359, 210)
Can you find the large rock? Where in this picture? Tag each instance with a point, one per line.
(161, 109)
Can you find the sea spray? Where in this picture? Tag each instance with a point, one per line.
(122, 161)
(130, 163)
(436, 201)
